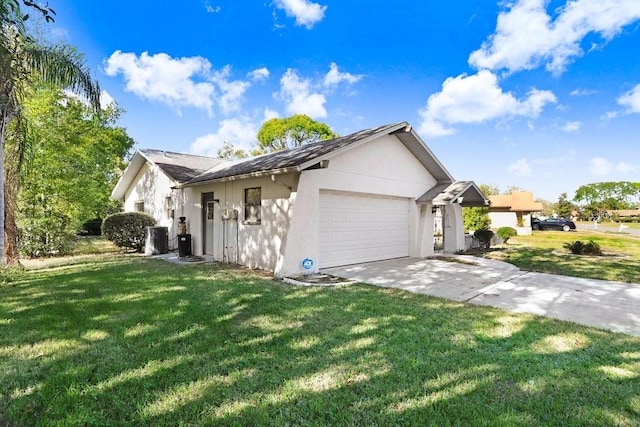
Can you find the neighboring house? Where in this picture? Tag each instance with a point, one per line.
(147, 182)
(368, 196)
(622, 213)
(513, 210)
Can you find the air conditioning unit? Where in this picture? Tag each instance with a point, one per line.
(157, 240)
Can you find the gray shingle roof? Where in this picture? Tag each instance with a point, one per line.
(292, 158)
(445, 193)
(179, 166)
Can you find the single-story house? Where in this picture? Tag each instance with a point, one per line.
(368, 196)
(623, 213)
(513, 210)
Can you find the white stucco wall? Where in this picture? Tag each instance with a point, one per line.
(253, 245)
(503, 219)
(151, 186)
(453, 228)
(510, 219)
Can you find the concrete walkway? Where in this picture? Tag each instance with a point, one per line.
(603, 304)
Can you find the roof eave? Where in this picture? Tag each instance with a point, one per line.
(137, 162)
(258, 174)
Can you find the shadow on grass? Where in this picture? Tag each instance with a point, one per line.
(146, 342)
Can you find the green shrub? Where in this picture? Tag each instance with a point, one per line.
(574, 247)
(580, 248)
(506, 233)
(592, 248)
(484, 236)
(53, 234)
(127, 229)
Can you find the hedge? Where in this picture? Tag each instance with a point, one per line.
(127, 229)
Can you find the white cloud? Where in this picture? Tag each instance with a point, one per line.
(334, 77)
(583, 92)
(106, 100)
(175, 82)
(599, 166)
(270, 114)
(631, 100)
(299, 95)
(259, 74)
(625, 167)
(303, 95)
(211, 9)
(240, 132)
(231, 91)
(476, 99)
(571, 126)
(527, 36)
(521, 167)
(307, 14)
(178, 82)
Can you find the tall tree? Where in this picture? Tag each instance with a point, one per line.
(72, 148)
(23, 62)
(290, 132)
(229, 152)
(564, 207)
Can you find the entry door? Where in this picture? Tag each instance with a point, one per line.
(207, 223)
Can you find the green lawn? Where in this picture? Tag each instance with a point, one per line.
(543, 252)
(589, 224)
(132, 341)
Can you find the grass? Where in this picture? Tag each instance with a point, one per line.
(543, 252)
(589, 224)
(132, 341)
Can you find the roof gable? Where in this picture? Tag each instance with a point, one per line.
(179, 167)
(466, 193)
(521, 201)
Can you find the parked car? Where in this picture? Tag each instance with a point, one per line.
(560, 224)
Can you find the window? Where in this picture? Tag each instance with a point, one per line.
(252, 211)
(168, 204)
(138, 206)
(210, 207)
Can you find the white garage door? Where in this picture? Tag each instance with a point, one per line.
(358, 228)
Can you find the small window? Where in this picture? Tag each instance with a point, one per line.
(168, 203)
(252, 211)
(210, 206)
(138, 206)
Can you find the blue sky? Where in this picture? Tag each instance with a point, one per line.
(542, 95)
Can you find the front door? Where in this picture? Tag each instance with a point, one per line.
(207, 223)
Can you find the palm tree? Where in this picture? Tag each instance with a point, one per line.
(22, 63)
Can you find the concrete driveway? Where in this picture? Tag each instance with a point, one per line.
(608, 305)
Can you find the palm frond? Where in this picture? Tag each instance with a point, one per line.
(63, 67)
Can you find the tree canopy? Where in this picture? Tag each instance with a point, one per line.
(23, 63)
(76, 157)
(609, 195)
(290, 132)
